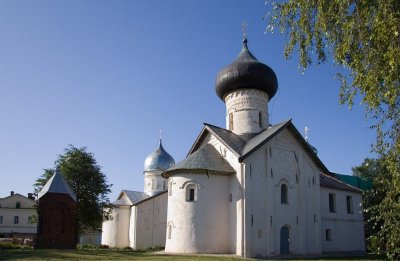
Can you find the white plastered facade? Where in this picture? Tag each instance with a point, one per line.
(254, 231)
(270, 202)
(140, 226)
(14, 219)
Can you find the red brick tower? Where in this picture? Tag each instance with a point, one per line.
(57, 211)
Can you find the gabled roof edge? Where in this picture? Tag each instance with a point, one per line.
(146, 199)
(199, 137)
(242, 157)
(348, 186)
(299, 137)
(308, 148)
(220, 139)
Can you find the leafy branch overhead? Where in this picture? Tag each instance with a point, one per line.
(361, 36)
(363, 39)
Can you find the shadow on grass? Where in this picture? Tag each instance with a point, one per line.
(54, 254)
(112, 254)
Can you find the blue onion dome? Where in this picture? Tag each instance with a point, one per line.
(158, 160)
(246, 72)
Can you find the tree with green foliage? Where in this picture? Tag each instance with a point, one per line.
(84, 175)
(375, 171)
(363, 39)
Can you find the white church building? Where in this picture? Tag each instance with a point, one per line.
(254, 189)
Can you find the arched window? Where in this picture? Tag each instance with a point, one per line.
(191, 192)
(284, 194)
(18, 205)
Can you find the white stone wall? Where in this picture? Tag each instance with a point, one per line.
(245, 106)
(116, 231)
(153, 182)
(8, 211)
(279, 162)
(90, 237)
(236, 238)
(201, 226)
(347, 229)
(149, 222)
(256, 214)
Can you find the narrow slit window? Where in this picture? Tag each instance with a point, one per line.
(191, 194)
(332, 203)
(170, 188)
(328, 236)
(230, 121)
(284, 194)
(169, 231)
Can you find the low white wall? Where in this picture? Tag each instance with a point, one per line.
(116, 231)
(151, 223)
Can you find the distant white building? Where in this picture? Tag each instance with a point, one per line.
(252, 189)
(16, 211)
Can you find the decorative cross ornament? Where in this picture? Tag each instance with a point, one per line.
(244, 29)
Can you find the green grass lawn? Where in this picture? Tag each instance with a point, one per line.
(107, 254)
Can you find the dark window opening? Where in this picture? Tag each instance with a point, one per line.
(349, 203)
(328, 235)
(284, 194)
(191, 194)
(332, 203)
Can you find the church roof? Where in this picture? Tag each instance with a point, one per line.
(329, 181)
(133, 197)
(228, 138)
(243, 146)
(262, 138)
(206, 160)
(57, 184)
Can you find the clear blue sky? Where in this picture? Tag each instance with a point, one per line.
(108, 75)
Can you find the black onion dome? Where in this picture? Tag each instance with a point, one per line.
(246, 72)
